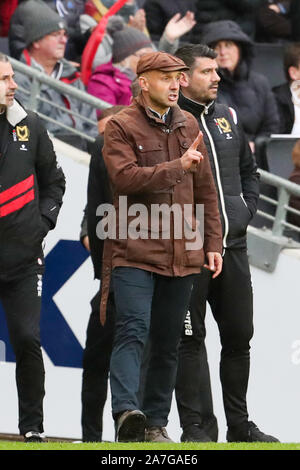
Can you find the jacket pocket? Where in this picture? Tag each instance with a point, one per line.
(238, 214)
(149, 153)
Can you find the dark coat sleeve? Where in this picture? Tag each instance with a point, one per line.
(99, 192)
(285, 108)
(50, 177)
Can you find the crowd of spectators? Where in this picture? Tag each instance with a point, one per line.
(231, 27)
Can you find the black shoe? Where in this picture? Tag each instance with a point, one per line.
(248, 432)
(131, 426)
(34, 436)
(194, 433)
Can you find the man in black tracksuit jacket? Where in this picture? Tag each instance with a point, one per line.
(31, 190)
(230, 295)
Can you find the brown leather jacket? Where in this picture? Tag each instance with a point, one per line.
(142, 156)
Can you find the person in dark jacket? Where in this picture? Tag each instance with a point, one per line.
(159, 13)
(99, 338)
(273, 21)
(242, 12)
(32, 187)
(241, 88)
(230, 295)
(287, 94)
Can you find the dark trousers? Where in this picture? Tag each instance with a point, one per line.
(147, 306)
(95, 364)
(96, 359)
(21, 300)
(230, 298)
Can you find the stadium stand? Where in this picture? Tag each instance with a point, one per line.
(272, 69)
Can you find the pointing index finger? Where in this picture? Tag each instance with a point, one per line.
(196, 141)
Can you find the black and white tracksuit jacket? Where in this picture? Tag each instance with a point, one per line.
(32, 185)
(233, 166)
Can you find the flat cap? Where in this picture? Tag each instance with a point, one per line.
(159, 61)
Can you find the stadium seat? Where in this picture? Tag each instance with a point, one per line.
(275, 156)
(4, 48)
(279, 155)
(268, 60)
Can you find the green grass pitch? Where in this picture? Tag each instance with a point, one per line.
(109, 446)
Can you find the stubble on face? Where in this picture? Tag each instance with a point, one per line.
(160, 89)
(202, 81)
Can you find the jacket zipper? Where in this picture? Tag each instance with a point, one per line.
(243, 199)
(213, 148)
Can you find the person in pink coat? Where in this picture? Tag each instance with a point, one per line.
(111, 81)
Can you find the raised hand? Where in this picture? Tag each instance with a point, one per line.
(192, 156)
(177, 27)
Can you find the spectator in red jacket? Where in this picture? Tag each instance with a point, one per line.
(7, 7)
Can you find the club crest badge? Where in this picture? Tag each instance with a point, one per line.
(224, 127)
(22, 133)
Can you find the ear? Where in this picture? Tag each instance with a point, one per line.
(293, 73)
(184, 80)
(144, 84)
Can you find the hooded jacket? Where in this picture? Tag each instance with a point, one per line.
(31, 189)
(233, 167)
(246, 91)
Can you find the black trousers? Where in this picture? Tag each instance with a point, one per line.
(96, 361)
(230, 298)
(21, 300)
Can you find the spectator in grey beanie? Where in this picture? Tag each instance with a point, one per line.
(28, 9)
(45, 39)
(111, 81)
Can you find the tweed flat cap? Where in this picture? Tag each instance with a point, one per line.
(159, 61)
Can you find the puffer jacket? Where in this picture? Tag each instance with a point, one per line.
(65, 72)
(31, 191)
(248, 92)
(233, 167)
(142, 156)
(110, 84)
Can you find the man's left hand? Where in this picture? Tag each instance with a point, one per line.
(214, 263)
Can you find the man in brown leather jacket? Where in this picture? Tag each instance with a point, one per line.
(161, 177)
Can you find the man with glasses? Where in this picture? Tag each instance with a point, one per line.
(46, 38)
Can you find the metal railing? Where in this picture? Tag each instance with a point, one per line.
(285, 189)
(39, 78)
(266, 240)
